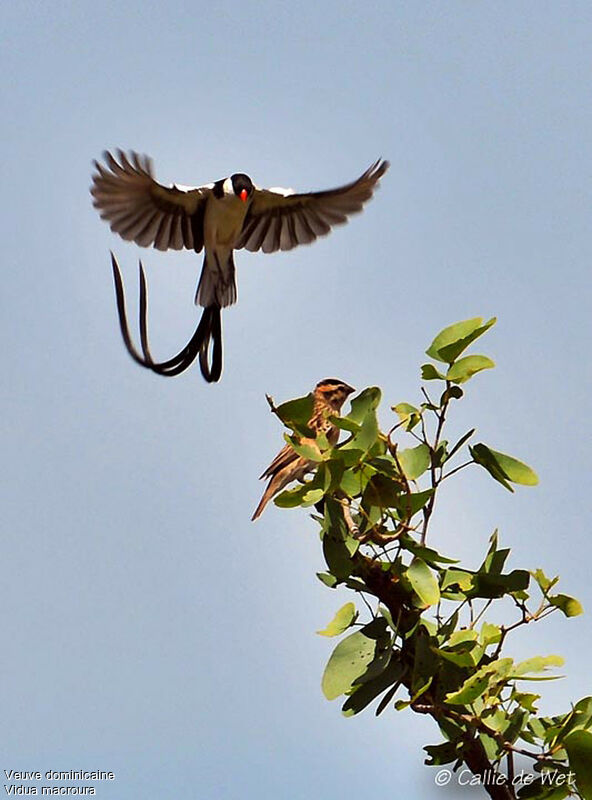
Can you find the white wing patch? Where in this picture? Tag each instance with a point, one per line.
(279, 190)
(183, 188)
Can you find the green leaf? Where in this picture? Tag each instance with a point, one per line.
(516, 471)
(338, 545)
(478, 683)
(569, 605)
(410, 504)
(353, 482)
(404, 411)
(430, 373)
(457, 581)
(490, 586)
(536, 664)
(414, 461)
(366, 692)
(439, 754)
(309, 450)
(291, 498)
(367, 401)
(451, 341)
(342, 620)
(489, 634)
(463, 649)
(502, 467)
(441, 454)
(408, 414)
(460, 442)
(451, 393)
(387, 699)
(329, 474)
(338, 556)
(537, 727)
(328, 579)
(527, 700)
(483, 456)
(385, 465)
(579, 750)
(462, 637)
(580, 718)
(517, 722)
(377, 629)
(366, 437)
(423, 582)
(429, 555)
(295, 414)
(345, 424)
(312, 496)
(356, 585)
(425, 663)
(348, 661)
(383, 610)
(382, 492)
(495, 559)
(464, 369)
(447, 628)
(350, 457)
(542, 580)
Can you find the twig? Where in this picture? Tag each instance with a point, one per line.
(457, 469)
(480, 614)
(351, 525)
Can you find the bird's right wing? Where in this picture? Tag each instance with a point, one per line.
(144, 211)
(278, 219)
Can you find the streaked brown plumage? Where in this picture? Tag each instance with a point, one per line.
(329, 396)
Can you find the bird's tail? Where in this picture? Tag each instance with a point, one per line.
(211, 339)
(271, 489)
(217, 284)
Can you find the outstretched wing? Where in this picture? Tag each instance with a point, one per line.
(143, 211)
(280, 220)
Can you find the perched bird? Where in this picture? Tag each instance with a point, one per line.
(218, 218)
(328, 397)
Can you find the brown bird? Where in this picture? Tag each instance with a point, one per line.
(328, 397)
(218, 218)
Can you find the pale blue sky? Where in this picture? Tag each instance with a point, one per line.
(149, 628)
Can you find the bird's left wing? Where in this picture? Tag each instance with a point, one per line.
(144, 211)
(281, 220)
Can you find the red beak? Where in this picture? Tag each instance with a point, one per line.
(244, 195)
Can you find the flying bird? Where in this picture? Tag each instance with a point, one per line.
(218, 218)
(329, 395)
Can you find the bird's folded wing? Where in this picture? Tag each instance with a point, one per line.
(143, 211)
(284, 458)
(280, 220)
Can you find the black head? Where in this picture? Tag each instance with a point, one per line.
(242, 186)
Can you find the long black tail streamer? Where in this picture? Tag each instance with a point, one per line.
(207, 336)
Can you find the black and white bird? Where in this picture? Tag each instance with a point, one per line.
(218, 218)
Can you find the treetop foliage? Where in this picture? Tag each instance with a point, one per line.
(427, 645)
